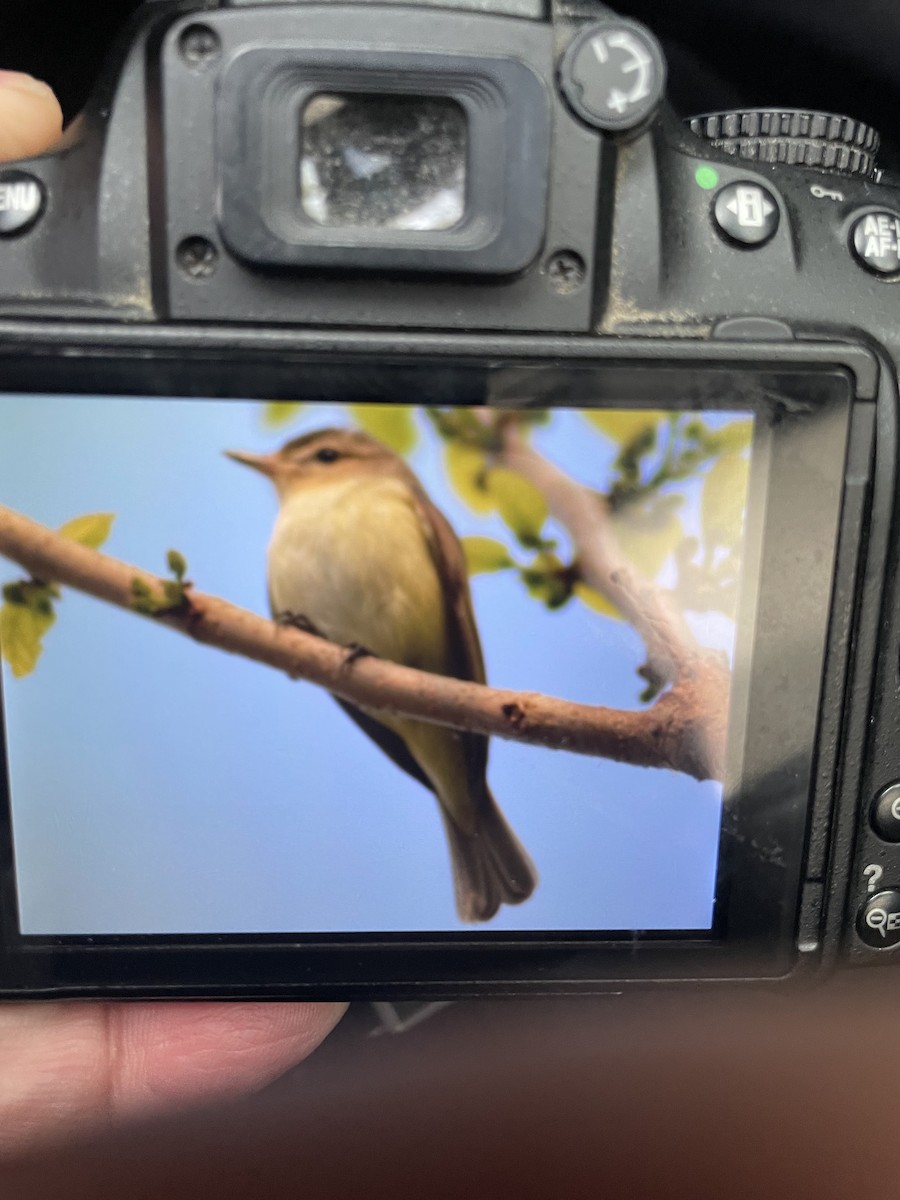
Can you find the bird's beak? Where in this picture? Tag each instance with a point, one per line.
(260, 462)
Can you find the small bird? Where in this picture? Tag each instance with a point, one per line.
(360, 553)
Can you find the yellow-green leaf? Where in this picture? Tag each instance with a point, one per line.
(177, 564)
(519, 503)
(90, 530)
(548, 580)
(735, 436)
(467, 470)
(596, 601)
(624, 425)
(647, 543)
(392, 424)
(723, 499)
(21, 630)
(280, 412)
(485, 554)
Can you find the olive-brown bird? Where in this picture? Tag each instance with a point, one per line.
(362, 554)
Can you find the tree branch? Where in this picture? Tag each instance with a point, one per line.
(700, 677)
(667, 735)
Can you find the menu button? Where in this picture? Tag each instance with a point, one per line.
(22, 199)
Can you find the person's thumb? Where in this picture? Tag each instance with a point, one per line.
(30, 116)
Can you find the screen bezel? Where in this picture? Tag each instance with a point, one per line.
(754, 929)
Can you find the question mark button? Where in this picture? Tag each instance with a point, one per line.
(878, 923)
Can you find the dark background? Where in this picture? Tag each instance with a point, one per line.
(839, 55)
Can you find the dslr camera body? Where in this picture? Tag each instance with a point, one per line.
(646, 369)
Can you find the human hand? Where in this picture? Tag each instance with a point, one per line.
(30, 116)
(73, 1065)
(747, 1094)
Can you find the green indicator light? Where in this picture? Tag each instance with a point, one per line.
(707, 177)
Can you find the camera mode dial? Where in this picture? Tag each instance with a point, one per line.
(794, 137)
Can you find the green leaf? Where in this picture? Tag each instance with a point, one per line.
(143, 600)
(650, 692)
(467, 470)
(392, 424)
(595, 601)
(15, 593)
(733, 437)
(21, 629)
(31, 593)
(548, 580)
(648, 542)
(485, 554)
(625, 425)
(90, 530)
(177, 564)
(279, 413)
(174, 593)
(519, 503)
(723, 499)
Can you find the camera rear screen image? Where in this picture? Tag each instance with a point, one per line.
(579, 570)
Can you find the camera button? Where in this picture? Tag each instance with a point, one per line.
(22, 201)
(886, 813)
(878, 923)
(746, 213)
(875, 242)
(614, 74)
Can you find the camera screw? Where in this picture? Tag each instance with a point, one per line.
(197, 257)
(199, 45)
(566, 271)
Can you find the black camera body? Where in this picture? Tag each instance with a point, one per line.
(490, 206)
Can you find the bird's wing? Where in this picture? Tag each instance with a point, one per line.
(389, 742)
(465, 660)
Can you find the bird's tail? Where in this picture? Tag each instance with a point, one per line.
(490, 867)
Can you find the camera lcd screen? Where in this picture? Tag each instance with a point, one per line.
(383, 161)
(160, 786)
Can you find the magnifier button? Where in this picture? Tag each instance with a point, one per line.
(878, 923)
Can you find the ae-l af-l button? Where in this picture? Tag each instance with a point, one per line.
(875, 242)
(746, 213)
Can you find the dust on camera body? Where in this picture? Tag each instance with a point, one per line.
(582, 426)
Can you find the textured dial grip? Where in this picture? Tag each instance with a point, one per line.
(822, 141)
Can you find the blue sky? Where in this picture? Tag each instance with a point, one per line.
(163, 787)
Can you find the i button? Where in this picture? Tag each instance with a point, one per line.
(747, 213)
(22, 199)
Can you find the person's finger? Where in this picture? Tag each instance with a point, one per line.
(74, 1065)
(30, 116)
(166, 1054)
(686, 1097)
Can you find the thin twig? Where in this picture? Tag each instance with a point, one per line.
(673, 654)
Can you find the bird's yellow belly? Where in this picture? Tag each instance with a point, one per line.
(353, 559)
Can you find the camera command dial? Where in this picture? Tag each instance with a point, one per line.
(822, 141)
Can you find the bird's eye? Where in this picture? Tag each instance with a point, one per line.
(327, 455)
